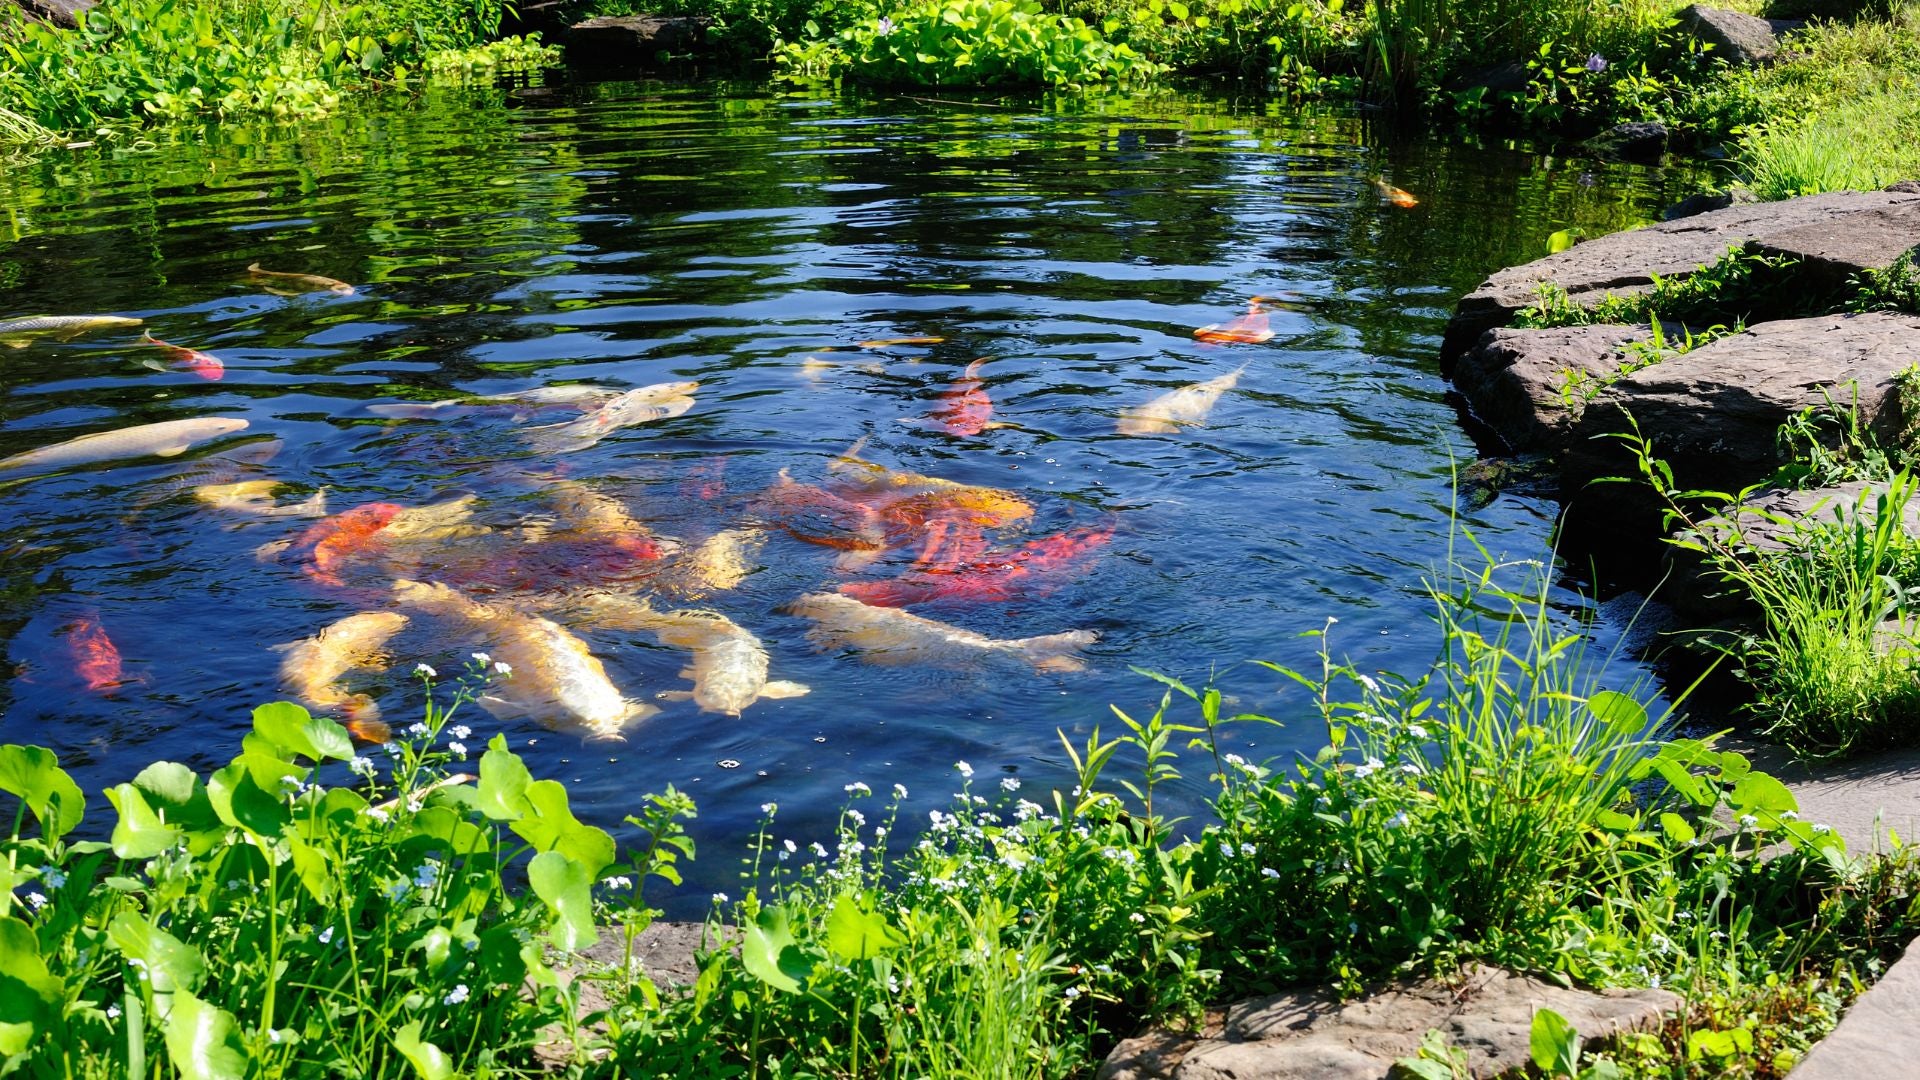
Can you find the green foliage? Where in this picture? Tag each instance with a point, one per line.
(1578, 388)
(1861, 145)
(974, 43)
(1896, 288)
(1724, 291)
(170, 58)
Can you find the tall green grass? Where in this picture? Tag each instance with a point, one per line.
(1860, 145)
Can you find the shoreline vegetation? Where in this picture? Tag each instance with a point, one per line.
(419, 910)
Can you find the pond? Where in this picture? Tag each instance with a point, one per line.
(626, 235)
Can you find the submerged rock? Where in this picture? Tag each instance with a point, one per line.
(1530, 386)
(1304, 1034)
(1626, 262)
(1706, 201)
(1639, 140)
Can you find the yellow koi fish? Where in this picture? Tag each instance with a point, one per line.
(890, 636)
(311, 668)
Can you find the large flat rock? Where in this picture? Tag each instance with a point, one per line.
(1306, 1035)
(1712, 414)
(1627, 261)
(1878, 1036)
(1866, 798)
(1529, 387)
(1835, 249)
(633, 41)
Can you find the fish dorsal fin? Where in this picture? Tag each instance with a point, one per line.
(973, 369)
(172, 451)
(783, 688)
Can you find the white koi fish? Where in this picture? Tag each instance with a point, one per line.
(894, 637)
(1168, 413)
(168, 438)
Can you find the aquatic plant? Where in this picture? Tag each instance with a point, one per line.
(972, 43)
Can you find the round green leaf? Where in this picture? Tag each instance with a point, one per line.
(35, 775)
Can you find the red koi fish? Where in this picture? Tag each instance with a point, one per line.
(994, 579)
(1251, 328)
(595, 561)
(965, 409)
(707, 480)
(818, 516)
(950, 544)
(331, 542)
(1395, 196)
(95, 659)
(205, 365)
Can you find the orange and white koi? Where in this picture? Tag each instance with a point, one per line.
(205, 365)
(1033, 567)
(1251, 328)
(312, 668)
(1394, 196)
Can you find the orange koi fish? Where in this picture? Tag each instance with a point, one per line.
(332, 541)
(1251, 328)
(95, 659)
(205, 365)
(882, 343)
(994, 579)
(950, 545)
(965, 409)
(707, 480)
(1396, 196)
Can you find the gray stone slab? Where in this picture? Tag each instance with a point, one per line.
(1306, 1035)
(1529, 386)
(1835, 250)
(1736, 37)
(1862, 798)
(1879, 1036)
(1626, 261)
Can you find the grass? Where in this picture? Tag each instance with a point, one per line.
(306, 911)
(1860, 145)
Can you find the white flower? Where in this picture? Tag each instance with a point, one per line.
(857, 788)
(1823, 828)
(1397, 820)
(502, 667)
(819, 849)
(1247, 850)
(790, 846)
(377, 814)
(52, 876)
(459, 750)
(416, 728)
(455, 996)
(1111, 853)
(1410, 769)
(1417, 731)
(719, 898)
(460, 731)
(1361, 772)
(768, 808)
(1226, 850)
(1788, 815)
(1137, 917)
(37, 900)
(235, 884)
(966, 770)
(1367, 681)
(425, 669)
(620, 882)
(1009, 783)
(1269, 872)
(390, 749)
(363, 766)
(1748, 821)
(1072, 992)
(899, 791)
(858, 817)
(483, 658)
(113, 1012)
(275, 1035)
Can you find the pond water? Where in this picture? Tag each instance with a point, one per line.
(626, 235)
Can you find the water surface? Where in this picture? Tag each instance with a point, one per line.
(627, 235)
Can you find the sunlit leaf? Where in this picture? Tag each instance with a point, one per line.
(204, 1040)
(28, 991)
(1553, 1044)
(567, 889)
(1618, 711)
(139, 833)
(428, 1060)
(504, 780)
(768, 952)
(857, 932)
(292, 728)
(169, 964)
(550, 826)
(35, 775)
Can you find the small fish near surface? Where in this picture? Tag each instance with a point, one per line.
(19, 333)
(205, 365)
(255, 498)
(312, 668)
(1168, 413)
(169, 438)
(1031, 569)
(555, 679)
(643, 405)
(1394, 196)
(889, 636)
(888, 343)
(300, 283)
(576, 395)
(96, 660)
(1251, 328)
(965, 407)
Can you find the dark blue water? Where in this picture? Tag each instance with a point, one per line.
(631, 235)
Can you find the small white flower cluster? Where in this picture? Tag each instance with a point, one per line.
(966, 770)
(857, 788)
(455, 996)
(620, 881)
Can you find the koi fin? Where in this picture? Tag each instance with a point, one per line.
(783, 688)
(1056, 652)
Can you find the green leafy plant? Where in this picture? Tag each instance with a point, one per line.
(976, 43)
(1723, 291)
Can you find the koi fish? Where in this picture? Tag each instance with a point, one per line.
(255, 497)
(719, 564)
(889, 636)
(583, 395)
(332, 542)
(992, 579)
(1396, 196)
(729, 664)
(311, 668)
(965, 408)
(582, 511)
(95, 659)
(19, 333)
(948, 544)
(818, 516)
(168, 438)
(450, 520)
(882, 343)
(304, 282)
(1190, 404)
(1251, 328)
(812, 368)
(707, 480)
(555, 679)
(639, 406)
(205, 365)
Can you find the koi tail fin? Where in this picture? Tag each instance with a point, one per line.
(1056, 652)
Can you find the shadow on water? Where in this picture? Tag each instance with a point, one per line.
(630, 234)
